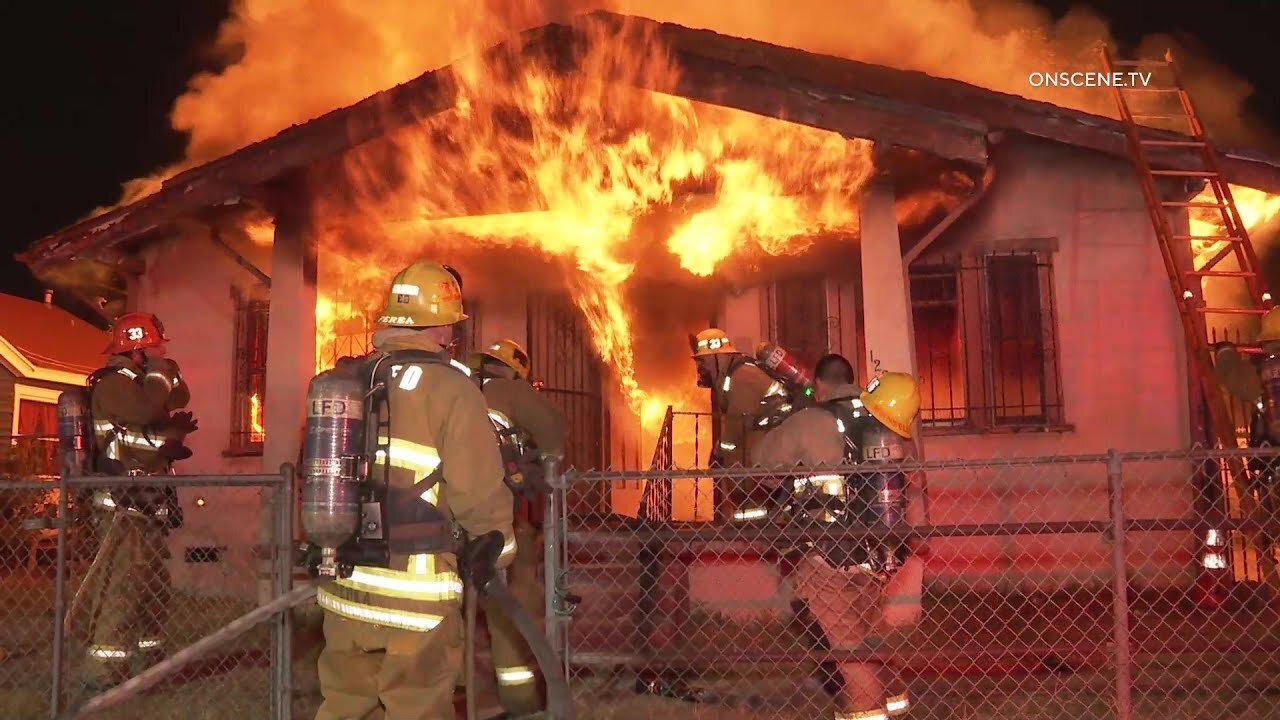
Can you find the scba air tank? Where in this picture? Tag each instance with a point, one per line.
(75, 432)
(332, 464)
(1270, 372)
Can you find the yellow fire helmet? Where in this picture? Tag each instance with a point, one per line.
(1270, 331)
(893, 399)
(425, 294)
(509, 353)
(712, 341)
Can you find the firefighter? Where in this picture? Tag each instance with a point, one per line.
(394, 635)
(744, 399)
(839, 585)
(136, 432)
(534, 429)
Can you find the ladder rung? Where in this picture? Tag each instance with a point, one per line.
(1150, 89)
(1192, 205)
(1215, 238)
(1230, 311)
(1186, 173)
(1174, 143)
(1219, 273)
(1145, 116)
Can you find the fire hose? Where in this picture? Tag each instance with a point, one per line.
(477, 564)
(153, 675)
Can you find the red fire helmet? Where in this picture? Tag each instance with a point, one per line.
(135, 331)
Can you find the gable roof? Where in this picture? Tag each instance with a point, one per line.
(946, 118)
(45, 342)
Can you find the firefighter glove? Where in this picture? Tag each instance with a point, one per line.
(478, 560)
(184, 421)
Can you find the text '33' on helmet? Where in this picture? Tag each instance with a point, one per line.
(712, 341)
(1270, 331)
(425, 294)
(509, 353)
(893, 399)
(135, 331)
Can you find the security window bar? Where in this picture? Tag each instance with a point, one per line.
(249, 378)
(986, 343)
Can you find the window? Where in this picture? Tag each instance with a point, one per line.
(985, 334)
(35, 430)
(249, 377)
(797, 318)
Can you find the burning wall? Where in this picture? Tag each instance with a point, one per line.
(600, 186)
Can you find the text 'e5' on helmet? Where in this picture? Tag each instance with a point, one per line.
(893, 399)
(509, 353)
(135, 331)
(712, 341)
(425, 294)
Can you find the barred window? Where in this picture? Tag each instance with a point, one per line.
(986, 342)
(249, 377)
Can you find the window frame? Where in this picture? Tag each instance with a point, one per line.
(240, 442)
(976, 322)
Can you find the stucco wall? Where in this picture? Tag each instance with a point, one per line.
(1122, 364)
(188, 285)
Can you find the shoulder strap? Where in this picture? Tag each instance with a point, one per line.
(847, 423)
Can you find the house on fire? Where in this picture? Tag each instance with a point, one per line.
(1032, 304)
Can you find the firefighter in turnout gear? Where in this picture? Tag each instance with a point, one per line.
(744, 401)
(1253, 379)
(839, 584)
(136, 432)
(530, 430)
(394, 634)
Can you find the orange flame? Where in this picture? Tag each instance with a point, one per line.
(1255, 207)
(595, 160)
(256, 431)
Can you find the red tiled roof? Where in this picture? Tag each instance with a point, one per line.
(50, 337)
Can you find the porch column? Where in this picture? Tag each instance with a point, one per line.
(291, 346)
(886, 301)
(886, 317)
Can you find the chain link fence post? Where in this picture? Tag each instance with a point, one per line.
(59, 597)
(1119, 588)
(282, 625)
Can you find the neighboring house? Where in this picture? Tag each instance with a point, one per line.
(43, 351)
(1036, 312)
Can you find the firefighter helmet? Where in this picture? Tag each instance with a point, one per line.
(712, 341)
(135, 331)
(893, 399)
(1270, 326)
(425, 294)
(509, 353)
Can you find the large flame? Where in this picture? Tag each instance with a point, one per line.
(1255, 207)
(583, 162)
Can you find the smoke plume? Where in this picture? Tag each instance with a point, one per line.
(294, 61)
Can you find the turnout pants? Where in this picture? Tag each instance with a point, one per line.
(409, 674)
(845, 604)
(132, 599)
(520, 689)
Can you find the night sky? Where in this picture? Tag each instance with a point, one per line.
(93, 103)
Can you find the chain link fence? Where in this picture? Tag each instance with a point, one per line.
(104, 578)
(1123, 585)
